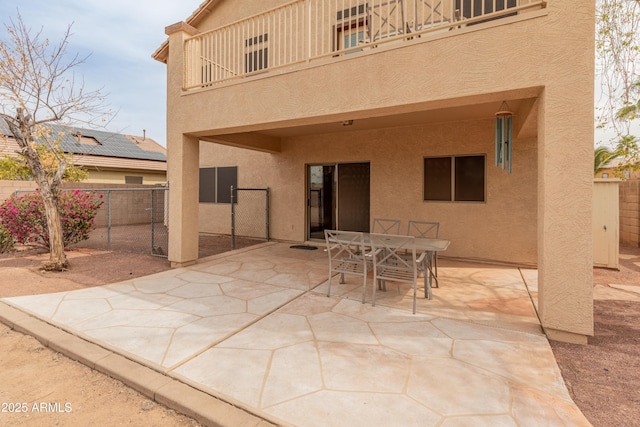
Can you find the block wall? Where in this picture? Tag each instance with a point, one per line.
(630, 212)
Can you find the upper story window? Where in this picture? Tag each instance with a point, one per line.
(473, 8)
(256, 56)
(454, 179)
(350, 28)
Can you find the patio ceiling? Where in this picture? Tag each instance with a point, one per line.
(267, 137)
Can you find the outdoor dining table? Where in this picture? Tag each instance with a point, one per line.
(421, 244)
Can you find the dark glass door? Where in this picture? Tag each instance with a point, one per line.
(337, 198)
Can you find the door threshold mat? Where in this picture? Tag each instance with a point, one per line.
(306, 247)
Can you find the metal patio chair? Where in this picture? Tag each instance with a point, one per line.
(347, 255)
(385, 226)
(429, 230)
(391, 264)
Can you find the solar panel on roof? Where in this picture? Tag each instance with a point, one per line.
(109, 144)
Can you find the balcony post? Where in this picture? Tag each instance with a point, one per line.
(308, 52)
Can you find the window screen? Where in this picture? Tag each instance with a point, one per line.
(215, 184)
(226, 178)
(208, 185)
(437, 178)
(469, 179)
(454, 178)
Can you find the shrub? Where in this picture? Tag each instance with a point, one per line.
(6, 241)
(24, 217)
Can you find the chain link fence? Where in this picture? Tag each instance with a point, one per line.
(130, 220)
(249, 214)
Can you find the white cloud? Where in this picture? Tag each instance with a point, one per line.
(120, 36)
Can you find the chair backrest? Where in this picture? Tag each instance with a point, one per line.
(425, 229)
(385, 226)
(343, 245)
(391, 252)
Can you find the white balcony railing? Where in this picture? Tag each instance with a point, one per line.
(305, 30)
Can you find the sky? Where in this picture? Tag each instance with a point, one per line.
(120, 36)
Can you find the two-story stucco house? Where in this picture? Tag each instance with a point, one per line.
(389, 107)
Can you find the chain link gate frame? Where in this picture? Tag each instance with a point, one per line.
(249, 213)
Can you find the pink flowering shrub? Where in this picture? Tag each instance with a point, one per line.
(24, 217)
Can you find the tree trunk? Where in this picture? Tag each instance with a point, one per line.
(57, 257)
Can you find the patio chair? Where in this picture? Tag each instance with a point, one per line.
(390, 264)
(385, 226)
(347, 255)
(426, 229)
(429, 230)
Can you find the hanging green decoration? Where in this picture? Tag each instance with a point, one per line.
(504, 133)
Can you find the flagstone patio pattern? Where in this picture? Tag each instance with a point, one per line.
(254, 327)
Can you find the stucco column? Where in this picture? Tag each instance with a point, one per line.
(565, 241)
(183, 201)
(182, 159)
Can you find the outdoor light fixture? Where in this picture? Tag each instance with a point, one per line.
(504, 133)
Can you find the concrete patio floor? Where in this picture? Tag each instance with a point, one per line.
(254, 328)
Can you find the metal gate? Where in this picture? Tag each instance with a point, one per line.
(159, 222)
(249, 213)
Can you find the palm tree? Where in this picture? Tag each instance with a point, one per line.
(601, 158)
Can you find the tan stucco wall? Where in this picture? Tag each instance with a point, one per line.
(546, 55)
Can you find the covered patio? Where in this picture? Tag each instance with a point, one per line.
(255, 328)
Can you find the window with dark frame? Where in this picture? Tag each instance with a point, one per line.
(473, 8)
(350, 28)
(133, 180)
(454, 179)
(215, 184)
(256, 55)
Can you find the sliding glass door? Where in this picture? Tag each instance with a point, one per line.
(337, 198)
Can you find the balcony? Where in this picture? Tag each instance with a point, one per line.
(309, 30)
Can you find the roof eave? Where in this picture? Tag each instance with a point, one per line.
(162, 53)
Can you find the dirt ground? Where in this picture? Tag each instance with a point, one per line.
(602, 377)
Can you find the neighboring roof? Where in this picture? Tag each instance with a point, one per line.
(200, 13)
(100, 143)
(613, 163)
(118, 163)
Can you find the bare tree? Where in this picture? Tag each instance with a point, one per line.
(618, 48)
(38, 87)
